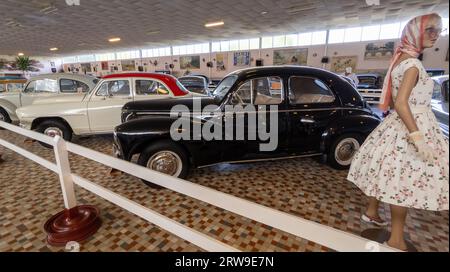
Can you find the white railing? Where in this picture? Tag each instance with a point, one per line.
(321, 234)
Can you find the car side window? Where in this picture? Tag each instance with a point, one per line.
(45, 86)
(114, 88)
(14, 87)
(437, 91)
(309, 90)
(260, 91)
(150, 87)
(30, 87)
(68, 86)
(2, 88)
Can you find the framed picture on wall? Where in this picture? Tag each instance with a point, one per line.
(290, 56)
(221, 61)
(86, 67)
(379, 51)
(241, 58)
(189, 62)
(128, 65)
(104, 66)
(338, 64)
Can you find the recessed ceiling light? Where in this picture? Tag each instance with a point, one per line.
(152, 32)
(114, 39)
(214, 24)
(53, 49)
(20, 54)
(264, 12)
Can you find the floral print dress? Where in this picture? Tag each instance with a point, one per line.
(388, 166)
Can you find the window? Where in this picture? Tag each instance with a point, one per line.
(42, 86)
(254, 43)
(304, 39)
(114, 88)
(352, 34)
(86, 58)
(308, 90)
(292, 40)
(319, 37)
(128, 55)
(224, 86)
(259, 91)
(215, 47)
(370, 33)
(105, 57)
(225, 46)
(336, 36)
(72, 86)
(70, 59)
(279, 41)
(14, 87)
(234, 45)
(150, 87)
(244, 45)
(445, 25)
(390, 31)
(266, 42)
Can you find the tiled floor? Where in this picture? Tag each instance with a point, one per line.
(30, 194)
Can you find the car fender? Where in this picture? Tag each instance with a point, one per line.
(138, 136)
(360, 124)
(10, 108)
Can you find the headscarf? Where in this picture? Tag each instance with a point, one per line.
(411, 43)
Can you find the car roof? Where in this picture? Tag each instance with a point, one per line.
(368, 75)
(84, 78)
(139, 74)
(280, 69)
(440, 79)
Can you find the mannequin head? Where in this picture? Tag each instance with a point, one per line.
(433, 30)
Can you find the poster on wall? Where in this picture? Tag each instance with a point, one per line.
(86, 67)
(105, 66)
(379, 51)
(290, 56)
(189, 62)
(128, 65)
(338, 64)
(241, 58)
(221, 61)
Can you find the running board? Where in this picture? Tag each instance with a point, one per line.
(262, 160)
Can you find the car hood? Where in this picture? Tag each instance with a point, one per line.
(165, 105)
(63, 98)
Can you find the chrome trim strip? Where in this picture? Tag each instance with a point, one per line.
(262, 160)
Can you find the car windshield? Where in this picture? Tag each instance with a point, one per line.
(367, 81)
(224, 86)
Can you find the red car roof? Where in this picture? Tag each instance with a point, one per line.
(169, 80)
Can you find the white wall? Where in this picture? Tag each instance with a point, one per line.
(432, 59)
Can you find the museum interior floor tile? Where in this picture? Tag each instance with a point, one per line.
(30, 194)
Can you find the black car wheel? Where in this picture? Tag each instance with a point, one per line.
(4, 116)
(343, 149)
(53, 128)
(165, 157)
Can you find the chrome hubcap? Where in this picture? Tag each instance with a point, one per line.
(166, 162)
(345, 151)
(53, 131)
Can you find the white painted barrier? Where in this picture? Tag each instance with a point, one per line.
(321, 234)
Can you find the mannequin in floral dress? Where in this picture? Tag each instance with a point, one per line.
(404, 161)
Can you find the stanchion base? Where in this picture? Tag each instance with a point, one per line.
(76, 224)
(382, 235)
(114, 172)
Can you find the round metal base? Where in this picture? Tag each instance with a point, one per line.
(76, 224)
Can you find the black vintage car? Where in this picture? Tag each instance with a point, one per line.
(318, 113)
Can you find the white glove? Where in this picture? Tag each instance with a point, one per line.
(424, 150)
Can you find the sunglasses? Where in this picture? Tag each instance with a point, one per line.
(434, 31)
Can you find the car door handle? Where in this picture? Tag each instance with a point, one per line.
(307, 120)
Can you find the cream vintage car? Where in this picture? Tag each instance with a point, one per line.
(98, 111)
(43, 87)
